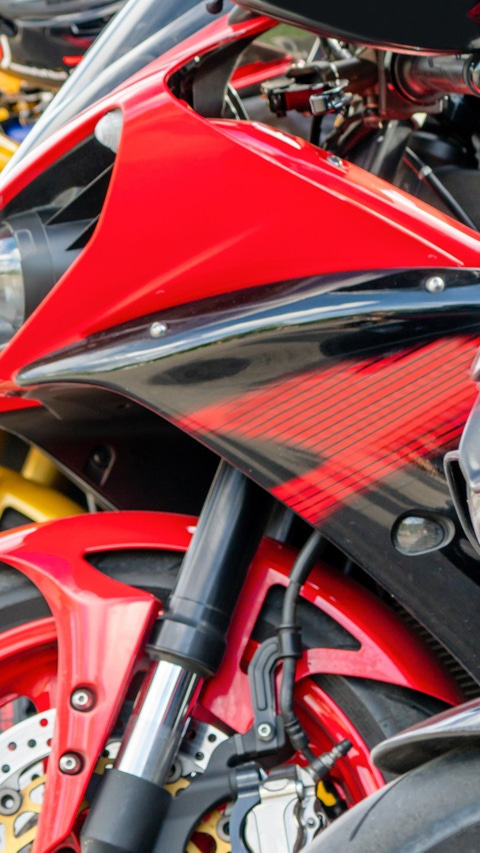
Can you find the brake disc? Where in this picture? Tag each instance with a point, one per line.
(212, 827)
(24, 749)
(197, 748)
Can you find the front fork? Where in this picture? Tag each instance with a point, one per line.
(187, 646)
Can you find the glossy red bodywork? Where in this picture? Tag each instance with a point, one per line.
(102, 626)
(388, 651)
(217, 170)
(200, 230)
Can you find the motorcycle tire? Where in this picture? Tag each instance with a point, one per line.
(433, 809)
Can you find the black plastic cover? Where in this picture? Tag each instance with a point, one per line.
(451, 26)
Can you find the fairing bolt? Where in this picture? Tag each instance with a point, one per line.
(158, 330)
(335, 161)
(435, 284)
(265, 731)
(70, 763)
(82, 699)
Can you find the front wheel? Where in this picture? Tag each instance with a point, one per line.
(371, 710)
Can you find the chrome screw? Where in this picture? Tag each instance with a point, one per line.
(265, 731)
(70, 763)
(158, 330)
(435, 284)
(334, 160)
(82, 699)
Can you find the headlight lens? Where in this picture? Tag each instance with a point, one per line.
(33, 257)
(12, 290)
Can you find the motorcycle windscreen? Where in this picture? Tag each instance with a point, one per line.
(142, 31)
(439, 26)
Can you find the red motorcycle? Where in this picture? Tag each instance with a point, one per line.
(240, 298)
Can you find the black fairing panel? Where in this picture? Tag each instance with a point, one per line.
(338, 394)
(429, 25)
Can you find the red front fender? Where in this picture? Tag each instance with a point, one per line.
(102, 626)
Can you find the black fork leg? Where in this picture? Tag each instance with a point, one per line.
(187, 645)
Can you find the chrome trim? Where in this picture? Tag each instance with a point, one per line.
(153, 739)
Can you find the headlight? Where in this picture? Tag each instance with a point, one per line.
(36, 248)
(50, 221)
(12, 291)
(33, 256)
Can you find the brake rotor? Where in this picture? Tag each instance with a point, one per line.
(24, 749)
(22, 779)
(211, 828)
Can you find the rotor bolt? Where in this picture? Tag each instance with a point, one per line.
(70, 763)
(265, 731)
(82, 699)
(435, 284)
(158, 330)
(10, 801)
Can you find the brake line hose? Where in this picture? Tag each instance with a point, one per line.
(290, 642)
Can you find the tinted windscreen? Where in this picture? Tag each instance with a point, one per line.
(142, 31)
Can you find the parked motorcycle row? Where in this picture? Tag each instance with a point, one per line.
(239, 436)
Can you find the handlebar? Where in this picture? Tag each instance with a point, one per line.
(425, 78)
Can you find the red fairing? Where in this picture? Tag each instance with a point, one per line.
(102, 625)
(198, 229)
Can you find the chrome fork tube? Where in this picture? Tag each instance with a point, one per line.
(187, 645)
(152, 738)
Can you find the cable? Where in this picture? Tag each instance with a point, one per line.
(290, 642)
(427, 175)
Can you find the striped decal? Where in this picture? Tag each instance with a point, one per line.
(363, 420)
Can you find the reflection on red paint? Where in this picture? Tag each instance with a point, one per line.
(362, 419)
